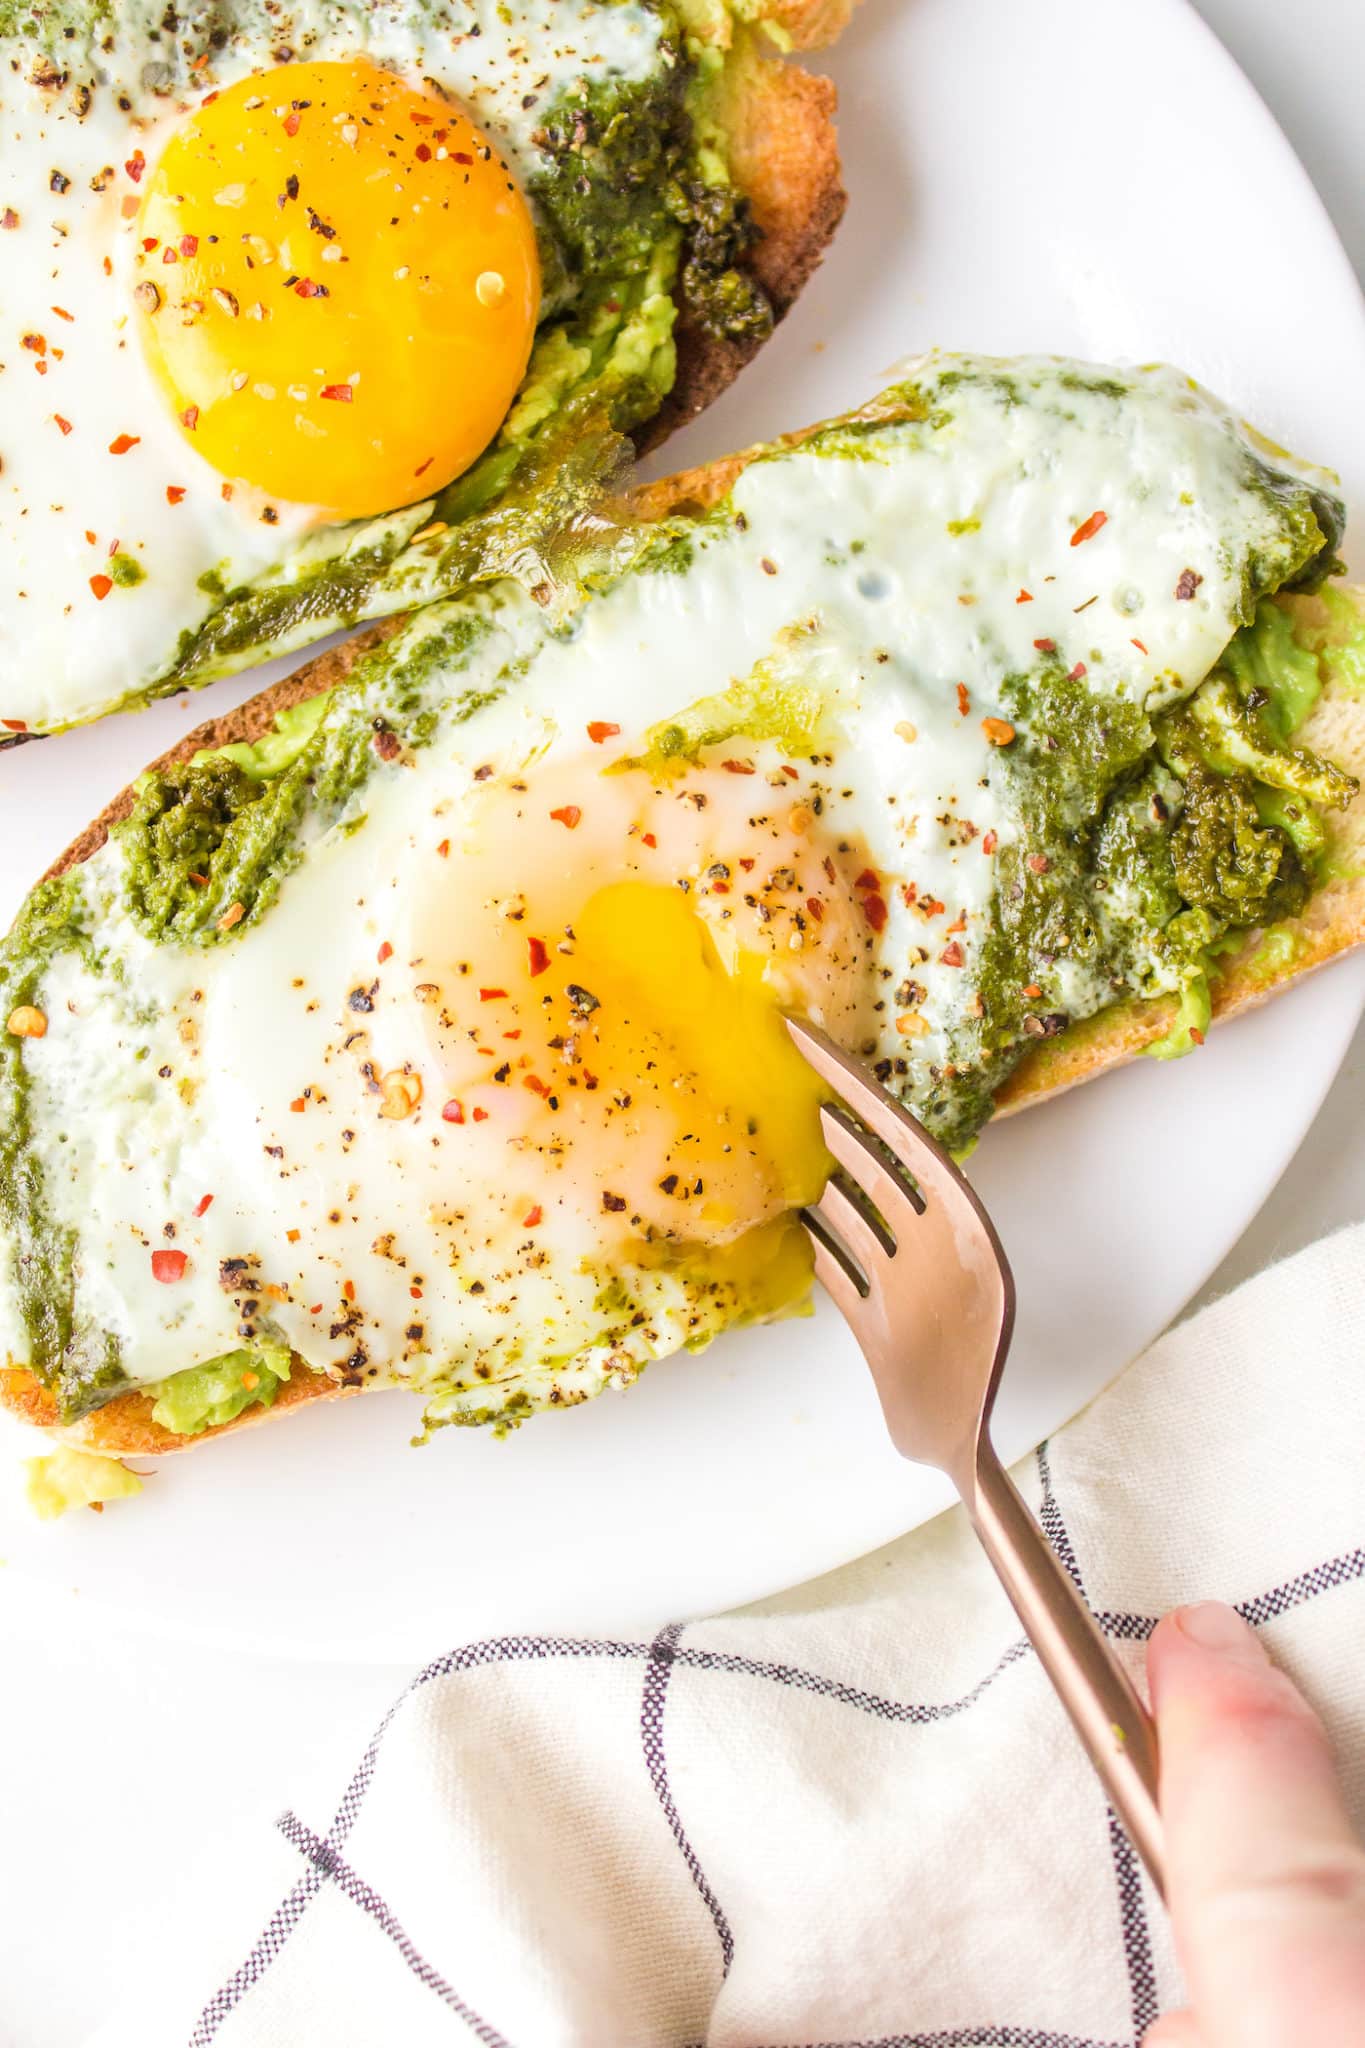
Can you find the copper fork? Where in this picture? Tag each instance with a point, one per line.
(911, 1259)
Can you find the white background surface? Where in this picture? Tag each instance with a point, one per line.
(184, 1727)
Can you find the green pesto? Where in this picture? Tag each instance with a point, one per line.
(77, 1361)
(126, 571)
(1144, 845)
(223, 830)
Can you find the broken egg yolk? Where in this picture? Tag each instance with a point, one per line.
(337, 286)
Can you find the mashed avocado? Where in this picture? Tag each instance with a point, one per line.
(206, 1396)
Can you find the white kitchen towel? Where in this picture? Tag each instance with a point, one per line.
(853, 1816)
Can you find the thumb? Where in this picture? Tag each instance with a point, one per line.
(1267, 1878)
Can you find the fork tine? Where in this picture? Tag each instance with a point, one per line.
(862, 1161)
(836, 1271)
(850, 1219)
(933, 1171)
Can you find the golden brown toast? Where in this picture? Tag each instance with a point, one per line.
(1332, 923)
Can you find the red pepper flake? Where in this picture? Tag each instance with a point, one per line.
(200, 881)
(537, 956)
(225, 492)
(298, 1105)
(932, 907)
(989, 842)
(738, 767)
(168, 1266)
(443, 848)
(794, 773)
(491, 995)
(190, 417)
(291, 123)
(233, 915)
(123, 442)
(422, 153)
(65, 425)
(1024, 597)
(101, 585)
(316, 1309)
(460, 156)
(1088, 528)
(62, 313)
(874, 910)
(481, 1116)
(174, 493)
(648, 839)
(203, 1205)
(532, 1217)
(536, 1086)
(14, 724)
(150, 242)
(816, 908)
(868, 879)
(452, 1112)
(1046, 646)
(1039, 863)
(168, 255)
(306, 288)
(1196, 1035)
(342, 393)
(513, 1034)
(348, 1289)
(951, 956)
(385, 953)
(959, 923)
(567, 815)
(909, 892)
(1032, 991)
(36, 344)
(1139, 646)
(293, 1237)
(135, 166)
(964, 702)
(1074, 675)
(9, 218)
(601, 730)
(189, 245)
(416, 1293)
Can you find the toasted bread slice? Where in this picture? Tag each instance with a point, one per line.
(1332, 923)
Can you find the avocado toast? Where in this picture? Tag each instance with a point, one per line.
(1068, 796)
(676, 176)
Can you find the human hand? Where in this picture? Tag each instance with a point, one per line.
(1266, 1874)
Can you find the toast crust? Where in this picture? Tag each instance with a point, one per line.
(1332, 924)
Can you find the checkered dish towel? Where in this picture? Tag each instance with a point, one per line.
(854, 1815)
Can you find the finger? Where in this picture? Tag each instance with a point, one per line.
(1266, 1876)
(1174, 2030)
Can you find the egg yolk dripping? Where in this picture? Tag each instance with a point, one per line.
(601, 989)
(337, 286)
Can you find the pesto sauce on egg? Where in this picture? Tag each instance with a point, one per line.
(1003, 642)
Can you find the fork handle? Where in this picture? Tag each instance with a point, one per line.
(1118, 1733)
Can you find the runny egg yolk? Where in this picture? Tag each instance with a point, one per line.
(601, 1014)
(337, 286)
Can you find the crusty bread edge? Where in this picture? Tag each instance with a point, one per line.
(1332, 924)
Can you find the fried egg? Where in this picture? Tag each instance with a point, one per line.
(248, 292)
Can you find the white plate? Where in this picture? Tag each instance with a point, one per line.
(1068, 175)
